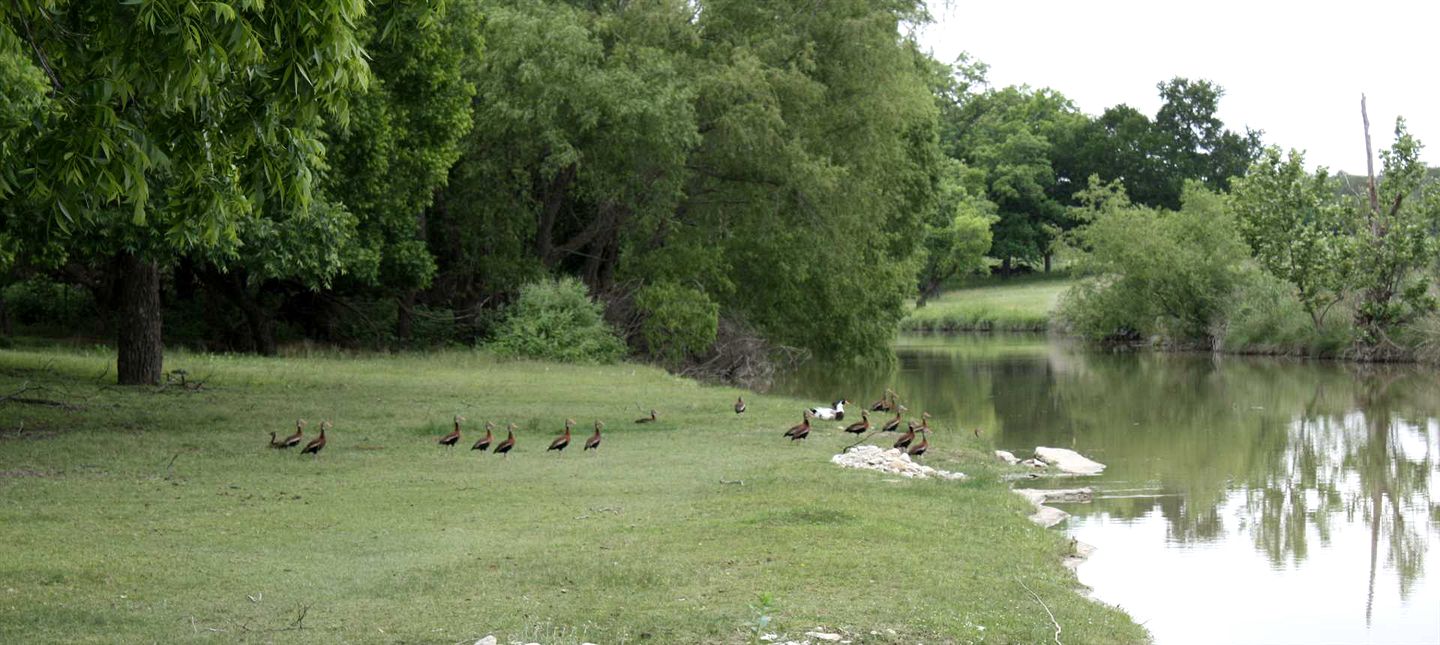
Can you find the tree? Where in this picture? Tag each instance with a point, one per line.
(1015, 135)
(957, 230)
(161, 128)
(1194, 142)
(1396, 239)
(1296, 228)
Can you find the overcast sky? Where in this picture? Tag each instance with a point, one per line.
(1294, 70)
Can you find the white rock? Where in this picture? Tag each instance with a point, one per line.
(890, 461)
(1034, 463)
(1069, 461)
(488, 640)
(1048, 516)
(824, 636)
(1007, 457)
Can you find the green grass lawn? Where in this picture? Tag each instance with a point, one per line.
(159, 514)
(1018, 304)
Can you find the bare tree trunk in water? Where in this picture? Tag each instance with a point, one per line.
(142, 351)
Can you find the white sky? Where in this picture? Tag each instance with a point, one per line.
(1292, 69)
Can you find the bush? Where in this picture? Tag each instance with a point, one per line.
(40, 301)
(678, 320)
(1161, 273)
(1267, 317)
(556, 320)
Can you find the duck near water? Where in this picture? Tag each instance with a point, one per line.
(860, 427)
(830, 414)
(886, 402)
(894, 424)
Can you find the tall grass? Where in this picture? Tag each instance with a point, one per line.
(1017, 304)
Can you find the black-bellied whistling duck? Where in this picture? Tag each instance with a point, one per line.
(920, 448)
(484, 441)
(563, 440)
(894, 424)
(593, 443)
(294, 439)
(451, 439)
(905, 439)
(886, 402)
(977, 433)
(509, 443)
(924, 422)
(274, 443)
(803, 425)
(860, 427)
(739, 405)
(801, 433)
(316, 444)
(648, 419)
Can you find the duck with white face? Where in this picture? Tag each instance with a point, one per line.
(830, 414)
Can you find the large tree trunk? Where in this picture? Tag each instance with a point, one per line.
(141, 349)
(1005, 267)
(405, 317)
(5, 329)
(1047, 262)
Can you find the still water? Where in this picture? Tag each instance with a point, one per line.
(1247, 500)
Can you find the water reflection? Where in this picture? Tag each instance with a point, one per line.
(1304, 462)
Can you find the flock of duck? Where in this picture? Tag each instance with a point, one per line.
(797, 432)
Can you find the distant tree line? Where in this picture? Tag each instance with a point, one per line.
(717, 175)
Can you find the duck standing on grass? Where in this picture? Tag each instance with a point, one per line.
(593, 443)
(294, 439)
(563, 440)
(318, 443)
(739, 405)
(803, 426)
(836, 413)
(860, 427)
(453, 438)
(484, 442)
(650, 419)
(894, 424)
(508, 444)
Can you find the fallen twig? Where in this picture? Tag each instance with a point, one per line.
(862, 440)
(1047, 611)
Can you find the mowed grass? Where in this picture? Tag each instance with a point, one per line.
(1018, 304)
(159, 515)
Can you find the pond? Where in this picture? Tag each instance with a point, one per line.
(1247, 500)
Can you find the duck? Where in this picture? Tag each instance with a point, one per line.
(894, 424)
(860, 427)
(484, 442)
(924, 422)
(649, 419)
(905, 440)
(451, 439)
(886, 402)
(804, 425)
(316, 444)
(560, 442)
(920, 448)
(294, 439)
(739, 405)
(509, 443)
(593, 443)
(836, 413)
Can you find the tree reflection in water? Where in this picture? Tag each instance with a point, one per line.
(1278, 450)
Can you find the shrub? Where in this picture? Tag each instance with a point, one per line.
(678, 320)
(556, 320)
(41, 301)
(1161, 273)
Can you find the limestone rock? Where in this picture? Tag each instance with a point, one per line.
(1069, 461)
(892, 461)
(1007, 457)
(488, 640)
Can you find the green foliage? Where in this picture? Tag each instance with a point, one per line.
(678, 320)
(556, 320)
(41, 301)
(1155, 272)
(957, 231)
(1396, 241)
(1267, 317)
(1296, 228)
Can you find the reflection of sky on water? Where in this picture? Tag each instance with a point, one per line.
(1247, 500)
